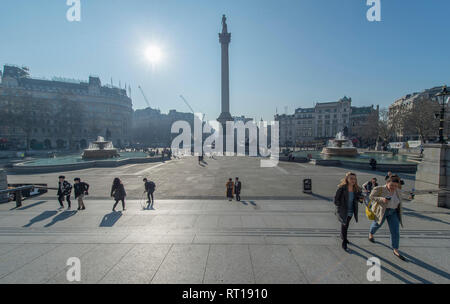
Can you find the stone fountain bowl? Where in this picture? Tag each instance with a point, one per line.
(100, 154)
(343, 151)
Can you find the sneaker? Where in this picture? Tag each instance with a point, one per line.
(372, 239)
(83, 208)
(79, 208)
(60, 208)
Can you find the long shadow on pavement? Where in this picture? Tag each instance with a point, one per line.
(383, 260)
(412, 213)
(110, 219)
(424, 265)
(41, 217)
(61, 217)
(29, 206)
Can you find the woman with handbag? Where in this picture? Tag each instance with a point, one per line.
(346, 200)
(387, 205)
(118, 192)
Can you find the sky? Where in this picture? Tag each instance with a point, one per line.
(284, 54)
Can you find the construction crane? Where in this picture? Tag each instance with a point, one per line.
(145, 97)
(192, 110)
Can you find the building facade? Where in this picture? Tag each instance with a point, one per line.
(47, 114)
(150, 127)
(407, 104)
(323, 121)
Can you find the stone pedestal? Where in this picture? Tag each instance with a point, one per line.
(433, 173)
(3, 186)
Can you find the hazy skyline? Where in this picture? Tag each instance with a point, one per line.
(282, 53)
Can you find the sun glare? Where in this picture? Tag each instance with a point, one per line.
(153, 54)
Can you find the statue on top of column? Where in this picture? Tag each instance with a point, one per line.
(224, 24)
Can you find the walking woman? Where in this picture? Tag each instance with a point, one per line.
(346, 200)
(230, 189)
(387, 205)
(118, 192)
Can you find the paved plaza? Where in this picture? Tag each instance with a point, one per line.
(276, 234)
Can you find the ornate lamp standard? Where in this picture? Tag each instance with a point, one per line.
(441, 96)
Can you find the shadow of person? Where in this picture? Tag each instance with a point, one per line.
(110, 219)
(28, 206)
(61, 217)
(412, 213)
(255, 206)
(396, 266)
(244, 203)
(423, 264)
(41, 217)
(387, 270)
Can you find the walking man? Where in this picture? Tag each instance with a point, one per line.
(149, 188)
(237, 188)
(64, 191)
(80, 189)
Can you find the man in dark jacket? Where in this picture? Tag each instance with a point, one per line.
(80, 189)
(237, 189)
(64, 191)
(150, 189)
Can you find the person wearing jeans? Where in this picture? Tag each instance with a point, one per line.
(387, 206)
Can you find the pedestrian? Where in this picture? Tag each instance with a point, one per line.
(230, 189)
(346, 200)
(373, 164)
(80, 189)
(389, 174)
(149, 188)
(64, 191)
(237, 188)
(388, 206)
(118, 192)
(368, 186)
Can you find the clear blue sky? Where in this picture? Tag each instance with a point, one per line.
(283, 53)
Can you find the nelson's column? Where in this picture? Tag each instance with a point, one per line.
(225, 115)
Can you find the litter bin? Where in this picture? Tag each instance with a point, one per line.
(307, 185)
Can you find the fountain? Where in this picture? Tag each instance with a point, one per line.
(100, 149)
(340, 146)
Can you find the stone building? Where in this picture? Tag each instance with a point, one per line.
(323, 121)
(62, 114)
(150, 127)
(406, 104)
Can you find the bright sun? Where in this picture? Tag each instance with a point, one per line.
(153, 54)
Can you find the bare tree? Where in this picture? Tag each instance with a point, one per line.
(420, 119)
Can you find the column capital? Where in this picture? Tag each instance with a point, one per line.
(224, 38)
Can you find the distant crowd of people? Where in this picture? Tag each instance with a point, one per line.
(81, 190)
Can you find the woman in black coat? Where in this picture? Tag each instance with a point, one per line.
(346, 200)
(118, 192)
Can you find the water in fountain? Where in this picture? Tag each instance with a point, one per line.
(100, 149)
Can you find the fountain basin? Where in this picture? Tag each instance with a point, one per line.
(333, 151)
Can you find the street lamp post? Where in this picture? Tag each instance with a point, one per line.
(442, 95)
